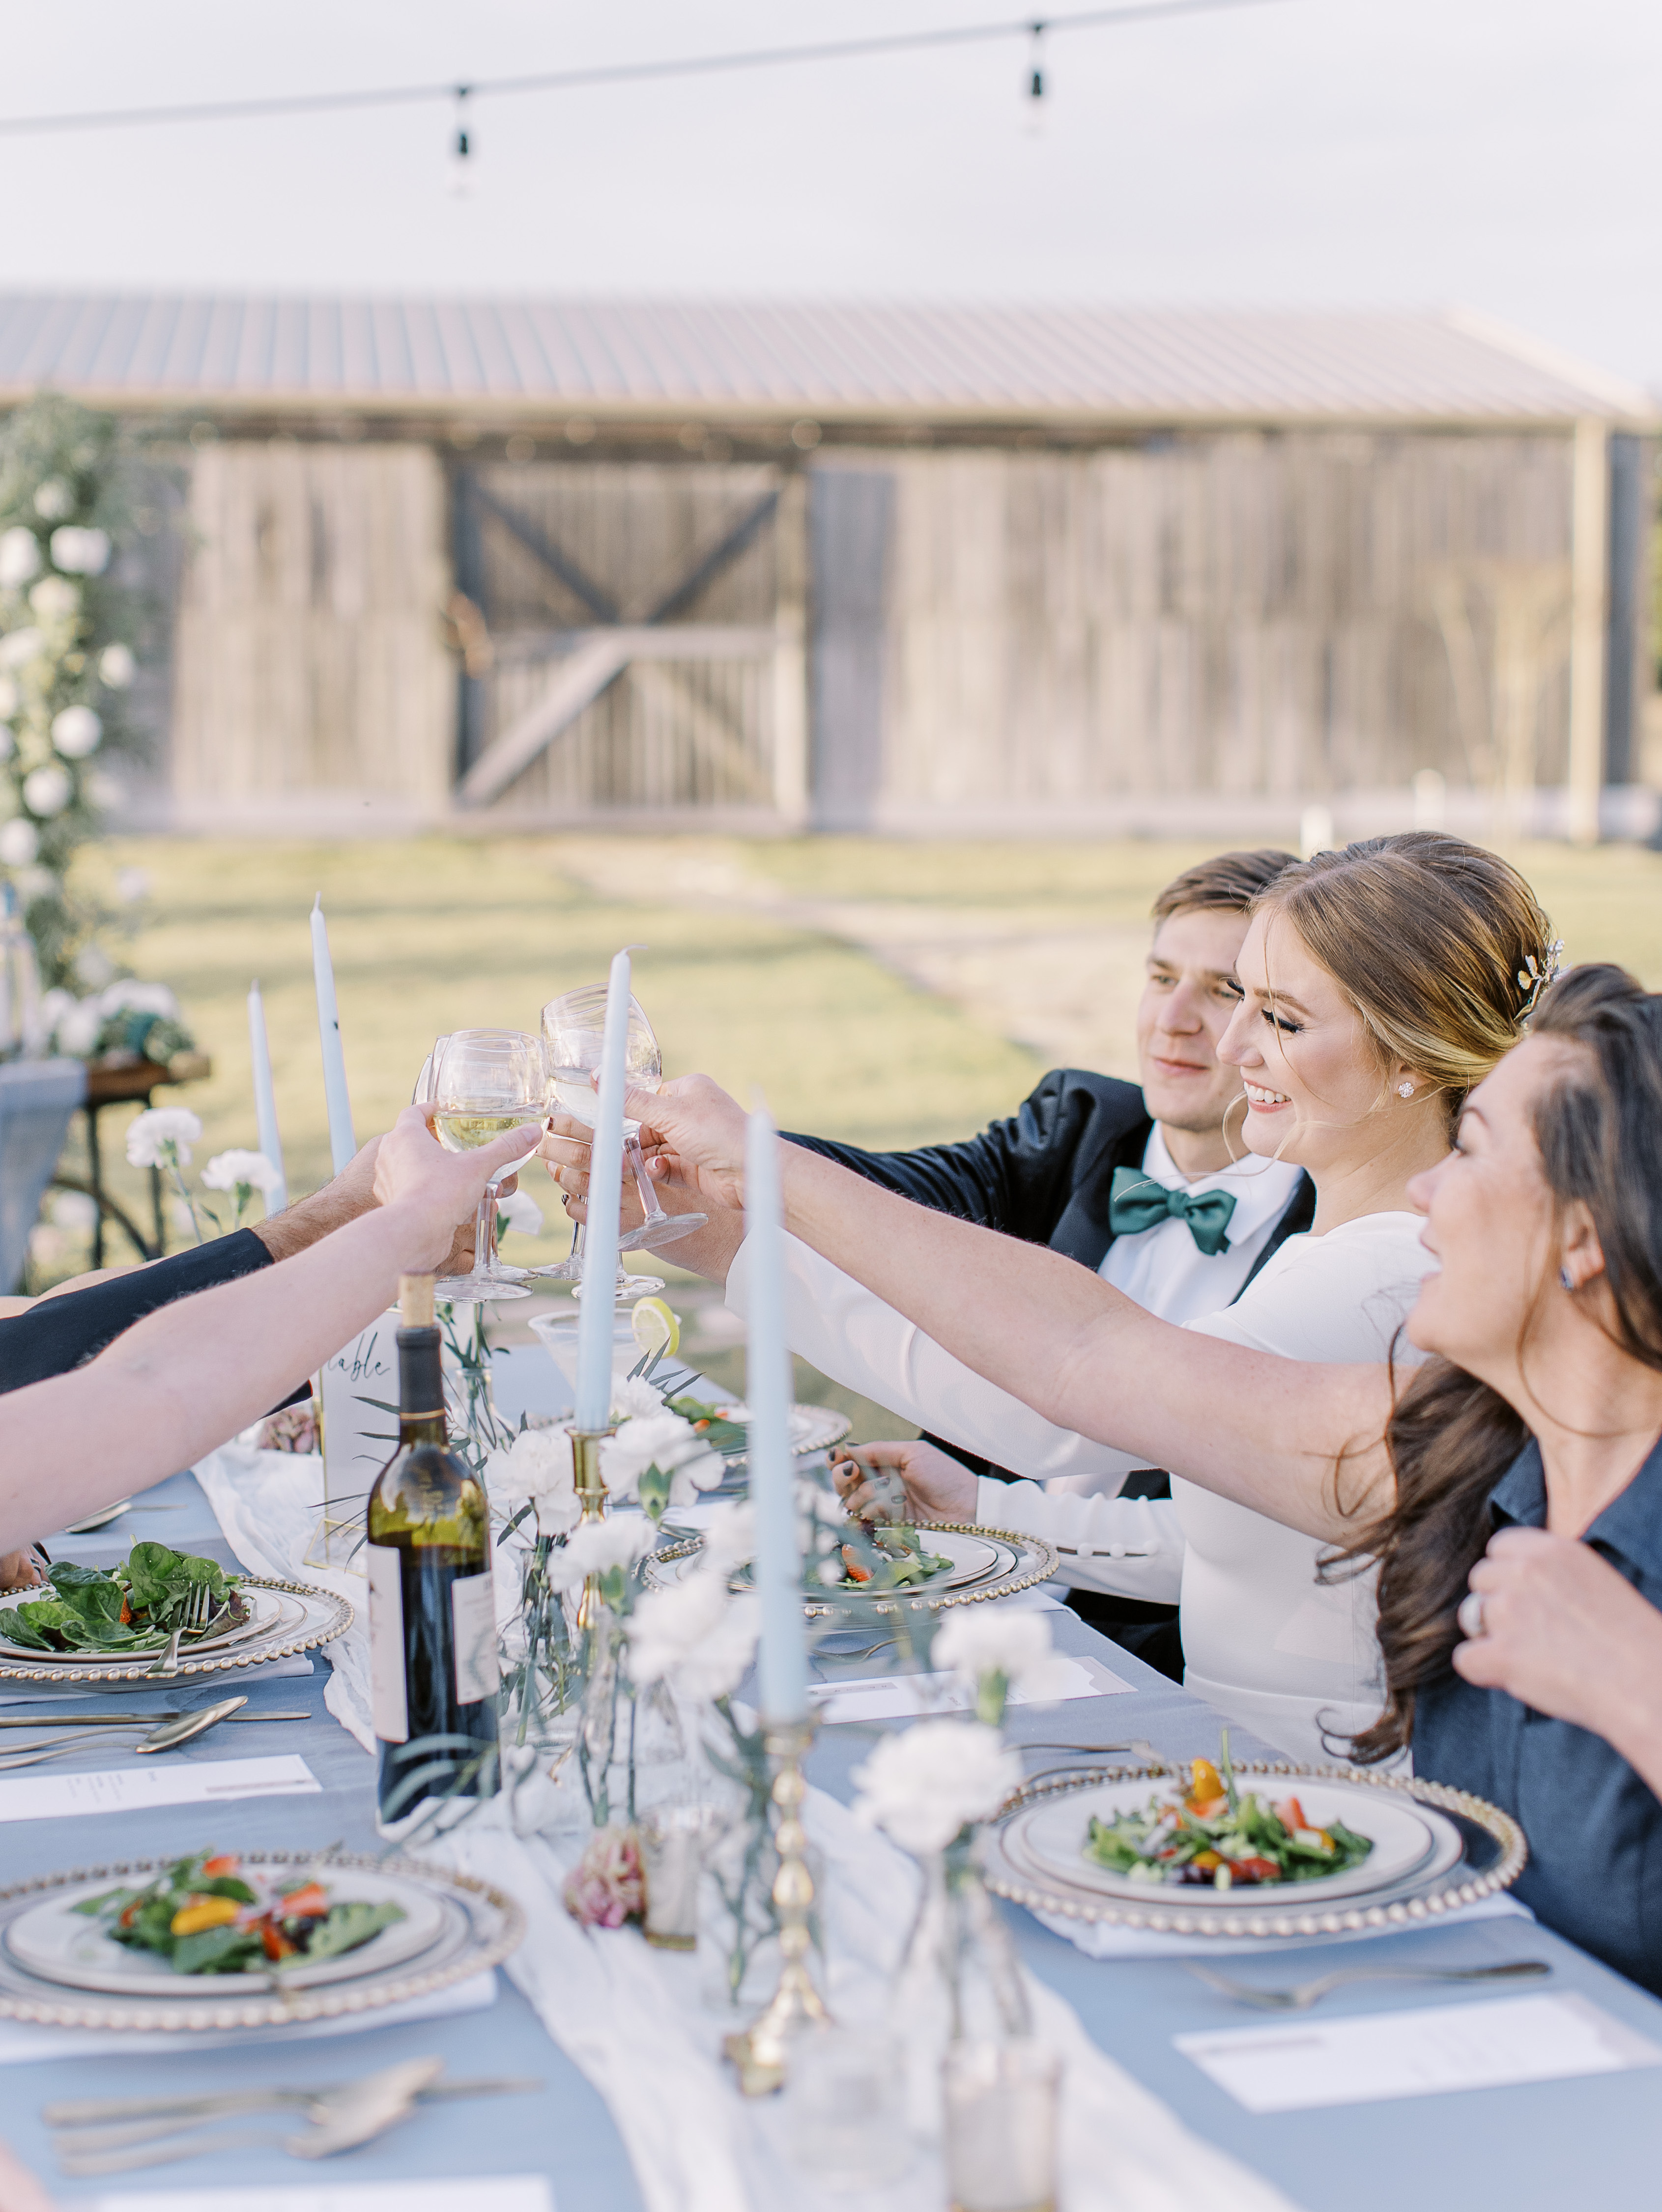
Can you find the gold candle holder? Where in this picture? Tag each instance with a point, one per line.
(760, 2053)
(591, 1496)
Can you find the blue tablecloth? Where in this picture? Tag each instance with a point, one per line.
(1549, 2144)
(37, 1097)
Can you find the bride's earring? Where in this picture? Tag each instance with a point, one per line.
(1405, 1090)
(1567, 1278)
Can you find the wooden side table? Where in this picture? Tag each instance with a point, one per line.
(119, 1086)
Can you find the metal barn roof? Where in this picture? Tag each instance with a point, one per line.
(507, 358)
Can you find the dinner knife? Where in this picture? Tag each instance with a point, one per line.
(140, 1720)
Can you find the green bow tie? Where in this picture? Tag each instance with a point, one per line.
(1136, 1202)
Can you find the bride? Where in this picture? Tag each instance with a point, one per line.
(1534, 1428)
(1379, 984)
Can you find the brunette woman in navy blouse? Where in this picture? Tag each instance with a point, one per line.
(1522, 1459)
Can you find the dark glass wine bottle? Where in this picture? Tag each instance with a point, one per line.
(432, 1620)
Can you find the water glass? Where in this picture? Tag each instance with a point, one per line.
(673, 1838)
(845, 2116)
(1001, 2126)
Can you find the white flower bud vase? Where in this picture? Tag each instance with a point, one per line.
(959, 1979)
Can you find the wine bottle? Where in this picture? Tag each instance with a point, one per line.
(432, 1619)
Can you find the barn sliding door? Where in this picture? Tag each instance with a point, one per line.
(634, 641)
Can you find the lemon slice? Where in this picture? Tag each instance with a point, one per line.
(657, 1330)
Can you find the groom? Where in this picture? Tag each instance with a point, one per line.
(1131, 1180)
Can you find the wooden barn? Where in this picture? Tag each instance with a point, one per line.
(523, 563)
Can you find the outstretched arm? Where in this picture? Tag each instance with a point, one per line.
(182, 1380)
(1303, 1445)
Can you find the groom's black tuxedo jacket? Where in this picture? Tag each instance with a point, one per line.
(1045, 1175)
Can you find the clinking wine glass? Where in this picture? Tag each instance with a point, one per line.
(481, 1083)
(574, 1034)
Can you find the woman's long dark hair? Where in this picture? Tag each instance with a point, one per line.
(1451, 1437)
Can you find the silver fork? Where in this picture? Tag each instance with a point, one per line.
(197, 1607)
(1303, 1995)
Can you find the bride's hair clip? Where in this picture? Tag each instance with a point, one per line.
(1534, 976)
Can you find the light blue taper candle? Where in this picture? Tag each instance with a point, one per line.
(265, 1120)
(784, 1654)
(606, 1180)
(342, 1143)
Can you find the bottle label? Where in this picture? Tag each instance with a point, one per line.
(473, 1617)
(388, 1694)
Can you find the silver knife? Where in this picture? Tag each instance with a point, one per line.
(140, 1720)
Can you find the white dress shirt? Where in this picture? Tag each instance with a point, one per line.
(1265, 1642)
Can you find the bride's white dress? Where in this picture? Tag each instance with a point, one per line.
(1266, 1643)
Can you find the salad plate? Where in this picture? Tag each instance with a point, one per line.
(1437, 1849)
(985, 1563)
(1405, 1840)
(55, 1966)
(286, 1618)
(58, 1941)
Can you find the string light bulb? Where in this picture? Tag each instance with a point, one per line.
(461, 150)
(1034, 119)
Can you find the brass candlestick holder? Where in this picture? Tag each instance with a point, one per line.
(591, 1497)
(760, 2053)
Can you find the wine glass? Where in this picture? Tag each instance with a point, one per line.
(573, 1032)
(481, 1083)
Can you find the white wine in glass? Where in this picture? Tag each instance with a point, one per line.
(482, 1083)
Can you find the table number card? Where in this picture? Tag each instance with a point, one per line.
(359, 1436)
(497, 2192)
(1425, 2052)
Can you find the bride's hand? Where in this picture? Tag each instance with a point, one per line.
(938, 1487)
(699, 1135)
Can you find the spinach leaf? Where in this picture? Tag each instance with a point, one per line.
(346, 1926)
(16, 1630)
(215, 1951)
(148, 1569)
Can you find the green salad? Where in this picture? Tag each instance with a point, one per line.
(205, 1916)
(890, 1555)
(1216, 1837)
(133, 1607)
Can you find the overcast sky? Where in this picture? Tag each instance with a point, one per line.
(1496, 154)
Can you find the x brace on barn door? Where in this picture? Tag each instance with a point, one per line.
(600, 656)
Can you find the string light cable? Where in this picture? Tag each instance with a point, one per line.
(572, 80)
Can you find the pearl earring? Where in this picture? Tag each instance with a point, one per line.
(1405, 1090)
(1567, 1278)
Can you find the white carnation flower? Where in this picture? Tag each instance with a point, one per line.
(667, 1441)
(19, 647)
(520, 1212)
(695, 1635)
(48, 791)
(147, 1132)
(77, 1030)
(79, 552)
(598, 1546)
(227, 1170)
(20, 558)
(921, 1786)
(20, 840)
(75, 732)
(128, 995)
(633, 1398)
(981, 1643)
(53, 499)
(117, 667)
(536, 1468)
(54, 598)
(729, 1536)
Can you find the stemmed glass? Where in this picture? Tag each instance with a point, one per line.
(483, 1083)
(574, 1031)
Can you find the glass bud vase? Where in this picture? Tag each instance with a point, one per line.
(540, 1707)
(959, 1978)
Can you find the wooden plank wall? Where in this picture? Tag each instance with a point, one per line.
(667, 735)
(1240, 614)
(309, 651)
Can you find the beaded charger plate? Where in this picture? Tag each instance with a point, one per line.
(1471, 1850)
(458, 1926)
(986, 1563)
(288, 1617)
